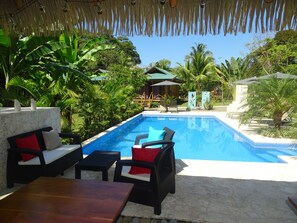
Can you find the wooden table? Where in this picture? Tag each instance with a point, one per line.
(65, 200)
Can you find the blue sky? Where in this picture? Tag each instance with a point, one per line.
(153, 49)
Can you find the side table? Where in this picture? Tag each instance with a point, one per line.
(97, 161)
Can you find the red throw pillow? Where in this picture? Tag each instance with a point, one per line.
(29, 142)
(143, 154)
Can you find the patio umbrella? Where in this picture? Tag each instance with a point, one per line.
(278, 75)
(165, 84)
(246, 81)
(255, 79)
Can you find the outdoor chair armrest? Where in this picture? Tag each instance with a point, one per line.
(158, 142)
(139, 137)
(76, 137)
(137, 163)
(30, 151)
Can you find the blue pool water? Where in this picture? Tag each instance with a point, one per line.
(196, 137)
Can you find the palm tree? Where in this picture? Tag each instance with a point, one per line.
(184, 72)
(271, 98)
(199, 66)
(164, 64)
(235, 69)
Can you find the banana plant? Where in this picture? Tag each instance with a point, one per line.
(17, 58)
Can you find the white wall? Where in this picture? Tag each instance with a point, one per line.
(240, 99)
(13, 123)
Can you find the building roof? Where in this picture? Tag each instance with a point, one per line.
(156, 73)
(147, 17)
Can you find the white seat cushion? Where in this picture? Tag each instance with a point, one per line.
(148, 147)
(51, 155)
(125, 173)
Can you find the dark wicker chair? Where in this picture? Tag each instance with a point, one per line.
(169, 133)
(26, 173)
(150, 189)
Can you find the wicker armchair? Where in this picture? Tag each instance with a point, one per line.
(150, 189)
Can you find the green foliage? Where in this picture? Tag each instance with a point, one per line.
(55, 73)
(233, 70)
(168, 99)
(289, 132)
(4, 39)
(163, 64)
(275, 55)
(111, 101)
(271, 98)
(123, 53)
(286, 36)
(155, 104)
(20, 58)
(123, 76)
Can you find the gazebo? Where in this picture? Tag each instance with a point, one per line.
(157, 75)
(158, 82)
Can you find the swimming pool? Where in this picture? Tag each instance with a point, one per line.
(196, 137)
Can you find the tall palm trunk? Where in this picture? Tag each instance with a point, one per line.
(277, 119)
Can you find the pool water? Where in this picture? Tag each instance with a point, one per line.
(196, 137)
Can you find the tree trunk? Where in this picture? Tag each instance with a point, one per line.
(198, 86)
(277, 119)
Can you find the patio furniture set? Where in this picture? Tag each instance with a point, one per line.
(35, 157)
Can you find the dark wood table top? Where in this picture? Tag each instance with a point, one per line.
(65, 200)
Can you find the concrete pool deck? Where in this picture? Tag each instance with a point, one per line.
(223, 192)
(219, 191)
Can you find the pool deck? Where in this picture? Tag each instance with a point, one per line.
(219, 191)
(223, 192)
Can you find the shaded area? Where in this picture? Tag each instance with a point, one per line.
(213, 199)
(207, 199)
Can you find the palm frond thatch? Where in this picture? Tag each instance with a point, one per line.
(147, 17)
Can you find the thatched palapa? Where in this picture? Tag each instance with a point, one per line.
(147, 17)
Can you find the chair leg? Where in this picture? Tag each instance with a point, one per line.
(157, 209)
(9, 184)
(172, 190)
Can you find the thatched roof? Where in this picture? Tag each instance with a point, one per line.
(147, 17)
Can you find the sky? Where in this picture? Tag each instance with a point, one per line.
(153, 49)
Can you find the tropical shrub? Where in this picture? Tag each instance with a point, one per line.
(271, 98)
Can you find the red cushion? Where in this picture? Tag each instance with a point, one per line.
(143, 154)
(29, 142)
